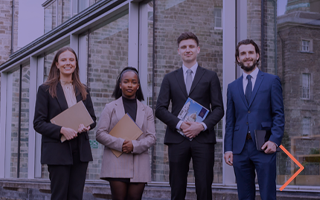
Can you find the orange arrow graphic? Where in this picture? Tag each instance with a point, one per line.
(297, 172)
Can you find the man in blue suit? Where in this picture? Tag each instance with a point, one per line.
(254, 102)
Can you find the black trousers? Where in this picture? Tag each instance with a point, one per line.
(67, 181)
(202, 155)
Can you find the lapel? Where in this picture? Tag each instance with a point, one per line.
(140, 114)
(120, 111)
(256, 86)
(199, 73)
(61, 98)
(180, 80)
(119, 108)
(240, 90)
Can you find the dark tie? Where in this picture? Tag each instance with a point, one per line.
(248, 89)
(188, 80)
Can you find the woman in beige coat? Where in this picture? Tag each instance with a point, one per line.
(128, 173)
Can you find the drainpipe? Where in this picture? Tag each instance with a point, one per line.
(153, 151)
(12, 28)
(19, 125)
(262, 37)
(275, 38)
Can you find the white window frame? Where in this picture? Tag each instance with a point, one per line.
(216, 18)
(306, 126)
(306, 45)
(56, 11)
(305, 86)
(228, 46)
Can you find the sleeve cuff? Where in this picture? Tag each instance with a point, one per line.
(179, 125)
(204, 126)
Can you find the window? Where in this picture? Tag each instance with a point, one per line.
(305, 86)
(217, 17)
(50, 17)
(306, 45)
(306, 126)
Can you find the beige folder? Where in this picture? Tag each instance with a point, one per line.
(126, 129)
(73, 117)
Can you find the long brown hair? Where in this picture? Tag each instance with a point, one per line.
(54, 76)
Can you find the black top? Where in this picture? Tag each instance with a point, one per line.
(130, 107)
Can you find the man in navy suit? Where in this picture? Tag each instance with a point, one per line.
(203, 86)
(254, 102)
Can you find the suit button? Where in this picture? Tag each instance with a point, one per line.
(249, 111)
(247, 123)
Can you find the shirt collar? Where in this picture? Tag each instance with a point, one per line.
(193, 68)
(253, 74)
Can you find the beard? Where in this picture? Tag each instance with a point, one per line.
(248, 68)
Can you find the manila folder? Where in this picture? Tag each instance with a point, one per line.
(126, 129)
(73, 117)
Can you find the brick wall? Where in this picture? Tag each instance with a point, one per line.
(5, 28)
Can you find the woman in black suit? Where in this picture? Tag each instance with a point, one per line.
(67, 161)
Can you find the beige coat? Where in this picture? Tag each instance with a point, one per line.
(136, 165)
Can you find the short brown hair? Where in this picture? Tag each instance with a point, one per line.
(186, 36)
(246, 42)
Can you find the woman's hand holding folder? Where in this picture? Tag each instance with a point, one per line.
(127, 146)
(68, 133)
(82, 128)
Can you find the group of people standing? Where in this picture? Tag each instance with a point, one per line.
(254, 102)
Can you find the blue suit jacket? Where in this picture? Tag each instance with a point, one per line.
(265, 111)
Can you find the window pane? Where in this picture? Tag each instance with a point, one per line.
(306, 126)
(63, 10)
(24, 130)
(305, 45)
(108, 55)
(299, 138)
(306, 86)
(14, 124)
(83, 4)
(173, 18)
(91, 2)
(217, 17)
(50, 17)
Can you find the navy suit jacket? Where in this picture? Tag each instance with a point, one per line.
(265, 111)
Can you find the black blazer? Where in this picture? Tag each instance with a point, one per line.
(205, 89)
(53, 152)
